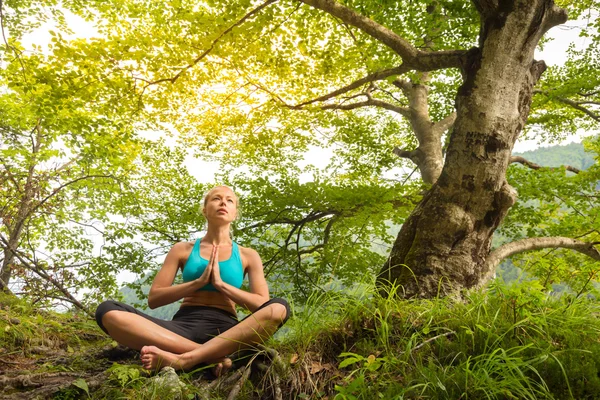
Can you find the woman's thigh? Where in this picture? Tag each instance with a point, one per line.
(111, 305)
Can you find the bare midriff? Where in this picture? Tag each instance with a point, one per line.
(210, 299)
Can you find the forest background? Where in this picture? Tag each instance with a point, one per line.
(96, 132)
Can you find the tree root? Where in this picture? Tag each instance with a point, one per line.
(238, 386)
(45, 384)
(25, 381)
(271, 365)
(276, 380)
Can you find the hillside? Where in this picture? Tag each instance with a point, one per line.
(504, 342)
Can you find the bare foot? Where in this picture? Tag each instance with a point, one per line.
(222, 367)
(155, 358)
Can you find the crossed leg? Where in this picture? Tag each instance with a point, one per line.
(252, 330)
(136, 332)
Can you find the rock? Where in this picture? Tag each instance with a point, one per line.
(166, 384)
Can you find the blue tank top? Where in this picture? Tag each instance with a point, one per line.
(232, 271)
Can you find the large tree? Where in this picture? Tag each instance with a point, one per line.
(443, 86)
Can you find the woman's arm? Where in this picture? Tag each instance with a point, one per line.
(163, 291)
(259, 290)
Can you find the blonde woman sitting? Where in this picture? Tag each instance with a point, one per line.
(206, 328)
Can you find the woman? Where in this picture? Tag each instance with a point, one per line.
(205, 329)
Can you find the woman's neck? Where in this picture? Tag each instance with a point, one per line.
(217, 235)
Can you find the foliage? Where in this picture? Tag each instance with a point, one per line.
(509, 342)
(24, 329)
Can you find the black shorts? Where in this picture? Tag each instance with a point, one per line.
(196, 323)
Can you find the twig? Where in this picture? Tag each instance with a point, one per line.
(432, 339)
(277, 383)
(238, 386)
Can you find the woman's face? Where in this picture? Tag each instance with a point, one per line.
(220, 205)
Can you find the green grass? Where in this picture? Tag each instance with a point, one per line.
(502, 343)
(506, 342)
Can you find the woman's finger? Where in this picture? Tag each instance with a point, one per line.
(212, 255)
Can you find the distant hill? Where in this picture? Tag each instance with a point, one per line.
(571, 154)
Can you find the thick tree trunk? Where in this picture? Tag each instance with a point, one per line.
(442, 247)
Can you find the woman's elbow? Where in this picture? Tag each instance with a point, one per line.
(153, 301)
(262, 301)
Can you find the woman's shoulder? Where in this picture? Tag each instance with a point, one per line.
(247, 251)
(249, 256)
(182, 247)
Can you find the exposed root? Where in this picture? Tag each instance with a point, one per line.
(24, 381)
(217, 384)
(277, 386)
(238, 386)
(46, 384)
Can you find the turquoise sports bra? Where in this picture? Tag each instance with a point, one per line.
(232, 271)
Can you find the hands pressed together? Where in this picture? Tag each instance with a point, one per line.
(212, 274)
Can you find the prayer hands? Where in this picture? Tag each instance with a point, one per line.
(206, 276)
(216, 272)
(212, 273)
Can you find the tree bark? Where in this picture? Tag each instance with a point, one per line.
(443, 245)
(16, 228)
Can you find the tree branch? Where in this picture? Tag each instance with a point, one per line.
(537, 243)
(401, 46)
(532, 165)
(575, 104)
(589, 94)
(36, 269)
(443, 125)
(369, 102)
(58, 189)
(376, 76)
(410, 154)
(415, 59)
(11, 176)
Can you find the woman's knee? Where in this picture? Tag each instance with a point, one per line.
(104, 308)
(280, 310)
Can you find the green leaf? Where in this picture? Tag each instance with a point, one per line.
(349, 361)
(81, 384)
